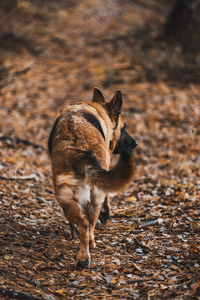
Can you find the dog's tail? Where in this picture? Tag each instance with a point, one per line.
(114, 180)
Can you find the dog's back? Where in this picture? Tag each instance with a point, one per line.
(81, 127)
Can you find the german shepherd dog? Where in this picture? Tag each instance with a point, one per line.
(80, 145)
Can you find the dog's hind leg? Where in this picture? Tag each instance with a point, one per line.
(73, 214)
(105, 211)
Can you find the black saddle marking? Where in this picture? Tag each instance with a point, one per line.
(95, 122)
(52, 135)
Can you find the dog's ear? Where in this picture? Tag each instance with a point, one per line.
(98, 96)
(116, 104)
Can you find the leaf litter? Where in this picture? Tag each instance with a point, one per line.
(150, 247)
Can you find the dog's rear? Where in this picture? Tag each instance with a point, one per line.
(80, 144)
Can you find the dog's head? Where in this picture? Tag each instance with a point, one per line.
(120, 141)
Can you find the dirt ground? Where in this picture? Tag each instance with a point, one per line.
(53, 53)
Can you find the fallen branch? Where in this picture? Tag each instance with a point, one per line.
(23, 177)
(144, 280)
(11, 274)
(17, 295)
(17, 140)
(124, 213)
(151, 222)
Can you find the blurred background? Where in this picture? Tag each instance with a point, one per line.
(53, 53)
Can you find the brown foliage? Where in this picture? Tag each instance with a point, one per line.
(52, 55)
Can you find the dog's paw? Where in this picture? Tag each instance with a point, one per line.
(83, 264)
(104, 215)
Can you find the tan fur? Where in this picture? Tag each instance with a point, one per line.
(80, 157)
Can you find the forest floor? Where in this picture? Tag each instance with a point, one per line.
(54, 53)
